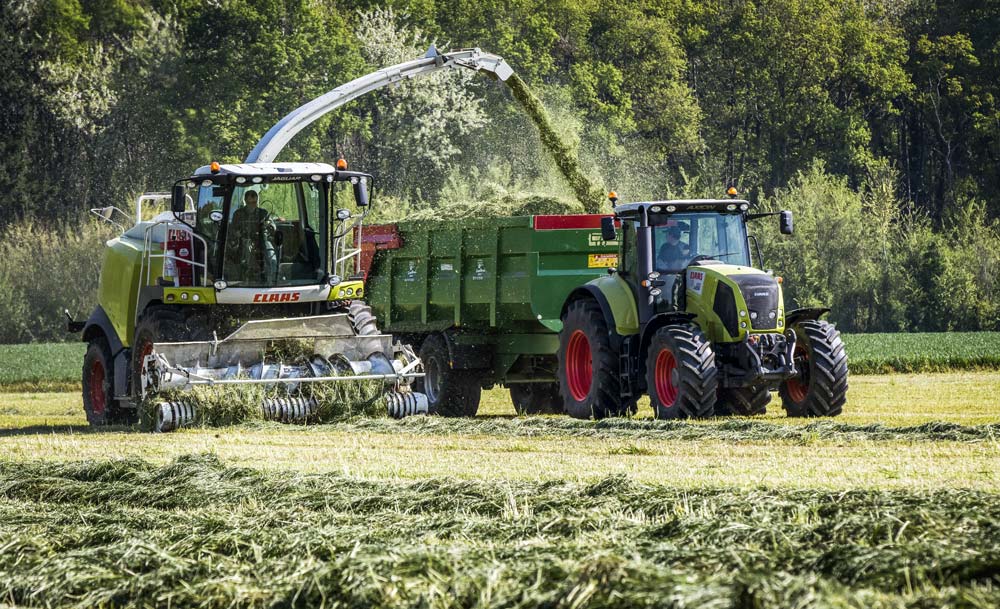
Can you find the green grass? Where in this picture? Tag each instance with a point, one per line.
(56, 366)
(195, 532)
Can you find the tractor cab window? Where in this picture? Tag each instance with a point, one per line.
(685, 238)
(273, 237)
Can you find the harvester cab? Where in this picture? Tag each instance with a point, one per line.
(248, 273)
(694, 323)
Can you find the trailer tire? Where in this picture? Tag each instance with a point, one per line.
(743, 401)
(681, 373)
(820, 389)
(536, 398)
(98, 383)
(450, 393)
(588, 364)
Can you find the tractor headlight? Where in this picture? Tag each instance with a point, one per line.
(655, 292)
(743, 324)
(771, 315)
(753, 315)
(671, 208)
(743, 313)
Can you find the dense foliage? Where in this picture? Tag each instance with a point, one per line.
(876, 121)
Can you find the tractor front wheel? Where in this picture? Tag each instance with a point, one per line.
(743, 401)
(536, 398)
(450, 392)
(820, 387)
(588, 365)
(680, 373)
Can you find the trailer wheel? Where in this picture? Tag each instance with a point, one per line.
(450, 393)
(536, 398)
(743, 401)
(820, 388)
(588, 366)
(98, 384)
(681, 374)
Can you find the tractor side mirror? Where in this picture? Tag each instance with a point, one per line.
(786, 223)
(608, 232)
(360, 192)
(177, 199)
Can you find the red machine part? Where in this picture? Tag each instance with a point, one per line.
(181, 243)
(377, 237)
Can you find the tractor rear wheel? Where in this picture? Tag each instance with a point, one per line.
(98, 384)
(743, 401)
(820, 388)
(536, 398)
(450, 392)
(680, 373)
(588, 365)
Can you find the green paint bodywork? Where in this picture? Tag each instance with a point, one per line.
(119, 284)
(622, 302)
(702, 304)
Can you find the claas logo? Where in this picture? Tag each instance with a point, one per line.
(283, 297)
(696, 275)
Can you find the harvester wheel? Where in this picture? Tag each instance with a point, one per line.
(588, 365)
(536, 398)
(160, 324)
(362, 318)
(450, 392)
(98, 384)
(820, 389)
(743, 401)
(681, 374)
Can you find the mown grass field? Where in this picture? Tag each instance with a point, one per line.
(896, 503)
(56, 366)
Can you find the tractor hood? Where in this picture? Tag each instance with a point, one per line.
(734, 300)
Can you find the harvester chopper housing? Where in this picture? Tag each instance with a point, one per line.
(584, 314)
(246, 259)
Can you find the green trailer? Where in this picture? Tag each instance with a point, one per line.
(483, 299)
(584, 314)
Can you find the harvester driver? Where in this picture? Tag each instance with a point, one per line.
(251, 244)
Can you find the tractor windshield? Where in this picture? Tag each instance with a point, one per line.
(686, 237)
(273, 236)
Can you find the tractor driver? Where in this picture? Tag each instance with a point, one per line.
(251, 243)
(673, 254)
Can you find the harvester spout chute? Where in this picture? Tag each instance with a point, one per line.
(279, 135)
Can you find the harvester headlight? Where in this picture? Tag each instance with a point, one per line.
(257, 180)
(334, 280)
(329, 178)
(731, 207)
(671, 208)
(315, 177)
(195, 297)
(359, 293)
(341, 293)
(206, 183)
(221, 284)
(191, 184)
(744, 206)
(343, 214)
(241, 180)
(350, 291)
(184, 295)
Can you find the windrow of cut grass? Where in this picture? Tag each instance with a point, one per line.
(56, 366)
(196, 533)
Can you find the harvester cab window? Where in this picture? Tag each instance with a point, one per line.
(271, 240)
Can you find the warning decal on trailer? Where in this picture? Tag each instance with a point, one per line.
(601, 261)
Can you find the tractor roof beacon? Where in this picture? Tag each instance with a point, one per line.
(238, 259)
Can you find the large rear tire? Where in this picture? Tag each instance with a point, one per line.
(450, 393)
(588, 366)
(743, 401)
(536, 398)
(98, 384)
(820, 388)
(680, 373)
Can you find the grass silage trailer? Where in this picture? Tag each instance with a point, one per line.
(583, 314)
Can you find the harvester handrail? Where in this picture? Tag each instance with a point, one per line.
(280, 134)
(147, 255)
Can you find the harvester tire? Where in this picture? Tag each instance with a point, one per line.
(743, 401)
(98, 384)
(536, 398)
(362, 318)
(161, 324)
(681, 373)
(588, 364)
(820, 389)
(450, 392)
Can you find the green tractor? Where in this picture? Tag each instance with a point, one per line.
(688, 319)
(215, 278)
